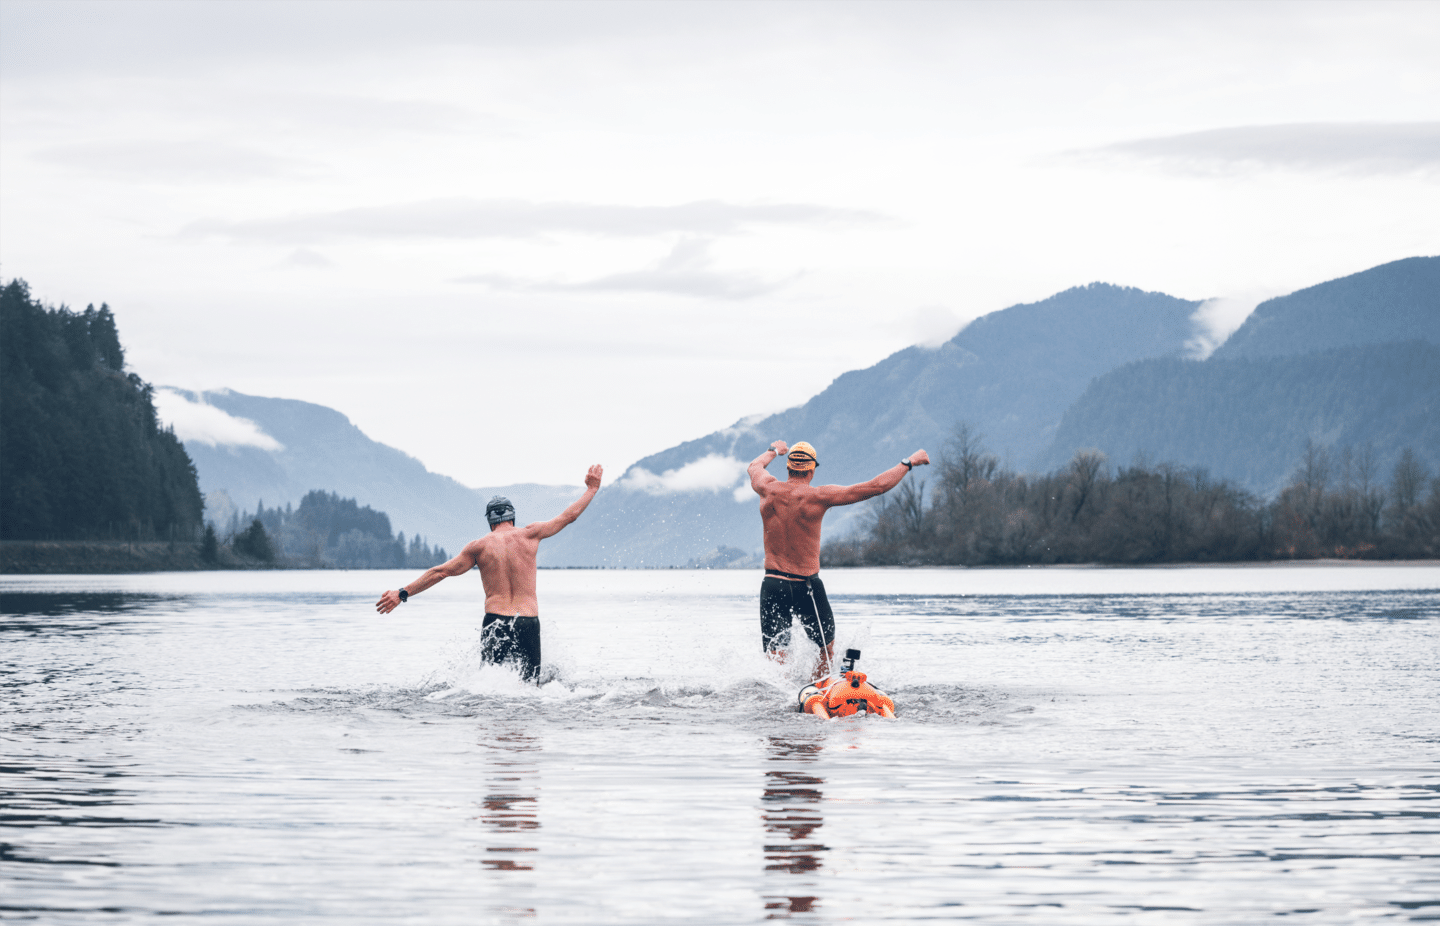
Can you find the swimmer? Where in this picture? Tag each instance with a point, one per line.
(506, 558)
(791, 512)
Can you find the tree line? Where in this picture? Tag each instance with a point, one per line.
(82, 453)
(324, 532)
(1336, 504)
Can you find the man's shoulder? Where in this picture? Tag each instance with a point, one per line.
(813, 494)
(797, 491)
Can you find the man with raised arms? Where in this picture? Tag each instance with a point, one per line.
(506, 557)
(791, 512)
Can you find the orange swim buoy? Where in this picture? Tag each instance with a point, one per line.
(849, 694)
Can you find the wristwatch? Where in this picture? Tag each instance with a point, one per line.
(404, 595)
(907, 464)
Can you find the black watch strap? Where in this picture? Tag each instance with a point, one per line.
(404, 596)
(907, 464)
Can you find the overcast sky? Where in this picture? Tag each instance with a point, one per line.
(516, 239)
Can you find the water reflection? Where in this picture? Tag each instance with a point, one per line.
(510, 814)
(43, 614)
(790, 807)
(66, 826)
(53, 603)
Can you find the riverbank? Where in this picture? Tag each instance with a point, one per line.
(100, 557)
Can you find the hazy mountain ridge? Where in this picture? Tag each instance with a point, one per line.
(1346, 363)
(1248, 419)
(322, 449)
(1398, 301)
(1011, 374)
(1010, 368)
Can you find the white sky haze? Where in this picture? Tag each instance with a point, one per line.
(514, 239)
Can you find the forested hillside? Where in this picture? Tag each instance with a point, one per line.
(1248, 419)
(1398, 301)
(82, 455)
(327, 531)
(1353, 362)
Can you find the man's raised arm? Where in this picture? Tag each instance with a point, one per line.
(756, 469)
(542, 529)
(849, 495)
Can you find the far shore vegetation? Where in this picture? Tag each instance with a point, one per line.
(1336, 506)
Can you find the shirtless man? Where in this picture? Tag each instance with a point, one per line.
(506, 557)
(792, 511)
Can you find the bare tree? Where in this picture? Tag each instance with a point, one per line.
(910, 499)
(1408, 480)
(1372, 496)
(965, 463)
(1085, 468)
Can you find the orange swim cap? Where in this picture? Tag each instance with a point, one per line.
(802, 458)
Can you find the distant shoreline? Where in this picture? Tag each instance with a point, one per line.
(118, 557)
(108, 557)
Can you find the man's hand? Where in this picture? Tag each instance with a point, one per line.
(780, 448)
(388, 602)
(919, 458)
(592, 478)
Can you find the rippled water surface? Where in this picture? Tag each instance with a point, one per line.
(1200, 745)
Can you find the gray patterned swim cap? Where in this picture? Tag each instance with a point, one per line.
(499, 509)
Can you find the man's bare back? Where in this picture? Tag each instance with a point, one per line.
(792, 510)
(506, 557)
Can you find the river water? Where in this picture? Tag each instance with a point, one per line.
(1188, 745)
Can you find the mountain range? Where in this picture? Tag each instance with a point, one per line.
(315, 447)
(1353, 362)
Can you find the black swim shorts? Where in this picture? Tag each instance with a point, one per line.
(805, 599)
(512, 639)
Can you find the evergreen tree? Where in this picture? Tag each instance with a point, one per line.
(82, 454)
(254, 542)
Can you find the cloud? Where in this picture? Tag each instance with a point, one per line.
(745, 426)
(304, 257)
(206, 424)
(177, 161)
(1352, 147)
(685, 271)
(1215, 320)
(929, 326)
(710, 473)
(461, 218)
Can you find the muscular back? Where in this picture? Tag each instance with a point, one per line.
(792, 512)
(506, 558)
